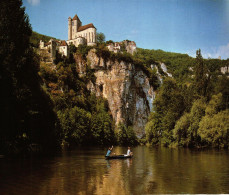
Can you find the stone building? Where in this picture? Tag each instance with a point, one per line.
(78, 34)
(63, 48)
(128, 46)
(53, 46)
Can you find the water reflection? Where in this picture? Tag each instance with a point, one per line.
(151, 170)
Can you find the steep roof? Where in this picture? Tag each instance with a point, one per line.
(81, 28)
(76, 18)
(63, 43)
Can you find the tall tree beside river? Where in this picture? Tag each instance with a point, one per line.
(27, 121)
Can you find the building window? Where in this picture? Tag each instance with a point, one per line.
(72, 23)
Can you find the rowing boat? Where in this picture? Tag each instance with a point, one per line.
(118, 157)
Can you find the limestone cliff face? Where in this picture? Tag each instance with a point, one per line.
(126, 88)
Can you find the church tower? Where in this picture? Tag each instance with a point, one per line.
(69, 28)
(76, 23)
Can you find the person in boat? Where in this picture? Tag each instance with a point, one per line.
(109, 151)
(129, 153)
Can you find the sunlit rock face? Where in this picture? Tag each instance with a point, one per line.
(126, 88)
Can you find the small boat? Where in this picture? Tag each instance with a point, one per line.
(118, 156)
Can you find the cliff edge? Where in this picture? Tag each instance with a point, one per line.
(125, 86)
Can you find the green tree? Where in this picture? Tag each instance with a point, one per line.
(214, 129)
(75, 123)
(28, 119)
(200, 75)
(186, 128)
(126, 135)
(153, 129)
(100, 37)
(169, 104)
(101, 131)
(197, 112)
(180, 132)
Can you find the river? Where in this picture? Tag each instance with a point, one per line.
(85, 171)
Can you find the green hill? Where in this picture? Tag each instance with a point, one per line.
(177, 64)
(36, 37)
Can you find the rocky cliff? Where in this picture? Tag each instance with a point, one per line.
(125, 86)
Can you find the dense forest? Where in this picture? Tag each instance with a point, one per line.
(191, 109)
(45, 106)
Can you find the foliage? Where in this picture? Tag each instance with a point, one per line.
(152, 129)
(183, 114)
(200, 75)
(28, 121)
(36, 37)
(177, 64)
(214, 126)
(101, 124)
(185, 131)
(100, 37)
(180, 133)
(214, 130)
(84, 118)
(83, 50)
(125, 135)
(108, 42)
(75, 123)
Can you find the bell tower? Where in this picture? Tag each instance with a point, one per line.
(69, 28)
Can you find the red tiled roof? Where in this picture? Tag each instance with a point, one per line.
(63, 43)
(76, 18)
(81, 28)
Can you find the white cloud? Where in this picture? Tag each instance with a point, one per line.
(223, 51)
(34, 2)
(213, 52)
(216, 52)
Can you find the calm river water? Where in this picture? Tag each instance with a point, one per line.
(151, 170)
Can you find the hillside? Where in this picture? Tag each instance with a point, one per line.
(36, 37)
(178, 64)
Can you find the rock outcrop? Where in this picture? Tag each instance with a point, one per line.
(127, 89)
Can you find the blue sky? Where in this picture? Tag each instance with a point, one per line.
(171, 25)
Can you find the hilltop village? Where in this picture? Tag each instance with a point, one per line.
(81, 35)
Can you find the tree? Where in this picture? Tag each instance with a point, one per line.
(169, 105)
(153, 129)
(180, 132)
(214, 129)
(186, 128)
(200, 75)
(100, 37)
(126, 135)
(27, 118)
